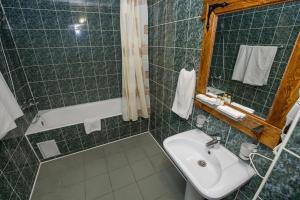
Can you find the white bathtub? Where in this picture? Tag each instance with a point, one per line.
(71, 115)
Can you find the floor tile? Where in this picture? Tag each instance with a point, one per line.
(142, 168)
(151, 149)
(116, 161)
(95, 167)
(109, 196)
(135, 154)
(72, 176)
(160, 161)
(130, 192)
(97, 187)
(152, 187)
(121, 177)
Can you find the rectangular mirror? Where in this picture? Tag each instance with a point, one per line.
(253, 30)
(245, 29)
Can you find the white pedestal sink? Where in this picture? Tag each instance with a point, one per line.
(212, 173)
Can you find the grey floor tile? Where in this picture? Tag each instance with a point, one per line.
(130, 192)
(109, 196)
(142, 168)
(93, 154)
(97, 186)
(95, 167)
(135, 154)
(121, 177)
(152, 187)
(151, 149)
(112, 148)
(115, 161)
(160, 161)
(72, 176)
(73, 192)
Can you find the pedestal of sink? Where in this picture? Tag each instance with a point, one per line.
(191, 193)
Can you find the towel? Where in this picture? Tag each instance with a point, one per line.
(249, 110)
(259, 65)
(292, 113)
(241, 62)
(232, 113)
(183, 101)
(7, 123)
(207, 100)
(91, 125)
(9, 107)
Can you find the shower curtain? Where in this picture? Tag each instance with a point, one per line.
(135, 64)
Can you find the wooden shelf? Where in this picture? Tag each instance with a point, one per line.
(269, 137)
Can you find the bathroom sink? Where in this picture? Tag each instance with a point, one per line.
(215, 172)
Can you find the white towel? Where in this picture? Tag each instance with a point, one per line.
(241, 62)
(9, 108)
(249, 110)
(183, 101)
(207, 100)
(91, 125)
(7, 123)
(232, 113)
(259, 65)
(292, 113)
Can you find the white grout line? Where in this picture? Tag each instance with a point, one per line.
(35, 180)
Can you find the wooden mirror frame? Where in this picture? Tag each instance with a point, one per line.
(287, 93)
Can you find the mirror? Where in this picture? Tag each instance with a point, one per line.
(230, 24)
(254, 27)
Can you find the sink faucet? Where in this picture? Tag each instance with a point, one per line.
(215, 140)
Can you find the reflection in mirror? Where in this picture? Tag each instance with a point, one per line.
(260, 34)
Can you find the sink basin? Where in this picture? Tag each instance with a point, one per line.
(213, 172)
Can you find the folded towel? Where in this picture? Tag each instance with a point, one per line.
(8, 100)
(232, 113)
(7, 123)
(9, 109)
(208, 100)
(183, 101)
(259, 65)
(241, 63)
(212, 94)
(292, 113)
(91, 125)
(249, 110)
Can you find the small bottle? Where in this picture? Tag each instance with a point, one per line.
(229, 99)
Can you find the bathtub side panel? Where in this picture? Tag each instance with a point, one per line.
(71, 139)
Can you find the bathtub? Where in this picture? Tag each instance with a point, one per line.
(66, 116)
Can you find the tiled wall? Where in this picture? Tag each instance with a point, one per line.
(175, 35)
(71, 139)
(284, 182)
(276, 25)
(70, 49)
(18, 163)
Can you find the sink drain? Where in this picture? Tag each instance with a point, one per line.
(202, 163)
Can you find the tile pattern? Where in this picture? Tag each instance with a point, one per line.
(131, 169)
(19, 165)
(70, 49)
(276, 25)
(175, 35)
(73, 138)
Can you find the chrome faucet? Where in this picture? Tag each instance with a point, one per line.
(215, 140)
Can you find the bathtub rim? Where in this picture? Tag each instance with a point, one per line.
(32, 127)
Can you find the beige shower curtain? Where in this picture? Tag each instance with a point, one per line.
(135, 64)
